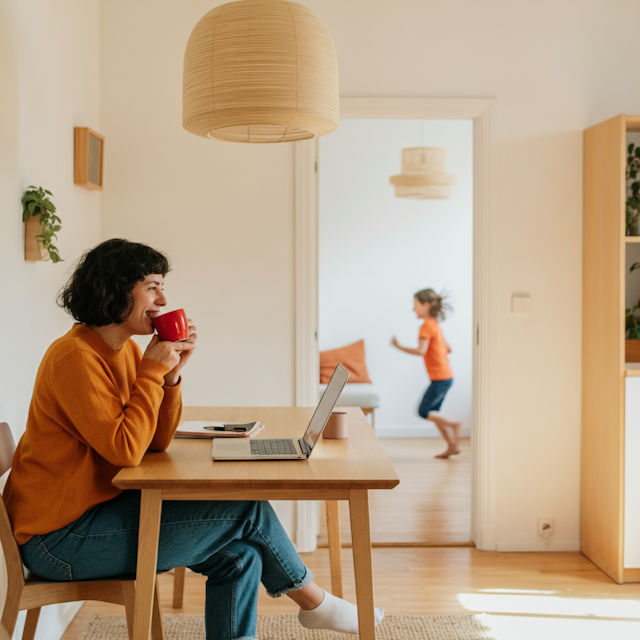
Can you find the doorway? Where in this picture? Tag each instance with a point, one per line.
(480, 111)
(375, 251)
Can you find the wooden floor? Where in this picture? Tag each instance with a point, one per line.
(522, 596)
(432, 503)
(533, 596)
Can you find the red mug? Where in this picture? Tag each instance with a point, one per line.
(172, 326)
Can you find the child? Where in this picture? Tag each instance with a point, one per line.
(430, 307)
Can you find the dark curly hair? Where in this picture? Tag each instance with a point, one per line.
(99, 291)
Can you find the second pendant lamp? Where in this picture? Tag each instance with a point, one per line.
(260, 71)
(423, 174)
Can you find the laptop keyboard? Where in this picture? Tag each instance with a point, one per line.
(269, 447)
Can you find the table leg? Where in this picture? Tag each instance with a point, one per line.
(150, 510)
(335, 546)
(361, 538)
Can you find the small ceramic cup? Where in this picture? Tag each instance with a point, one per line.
(172, 326)
(337, 425)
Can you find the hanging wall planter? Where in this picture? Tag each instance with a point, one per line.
(33, 249)
(41, 225)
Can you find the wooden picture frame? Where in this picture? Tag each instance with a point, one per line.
(89, 156)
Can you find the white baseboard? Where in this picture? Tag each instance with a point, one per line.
(426, 430)
(486, 540)
(537, 544)
(407, 431)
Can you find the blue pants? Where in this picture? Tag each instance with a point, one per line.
(434, 396)
(237, 545)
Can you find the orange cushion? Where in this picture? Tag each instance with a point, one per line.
(350, 357)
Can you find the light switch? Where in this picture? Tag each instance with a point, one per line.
(521, 304)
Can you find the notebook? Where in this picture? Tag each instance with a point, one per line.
(286, 448)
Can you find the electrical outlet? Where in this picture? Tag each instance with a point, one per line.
(545, 527)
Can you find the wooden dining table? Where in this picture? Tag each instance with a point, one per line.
(343, 469)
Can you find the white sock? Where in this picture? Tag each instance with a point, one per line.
(335, 614)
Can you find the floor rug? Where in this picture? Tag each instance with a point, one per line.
(286, 627)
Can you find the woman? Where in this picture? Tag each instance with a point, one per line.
(98, 405)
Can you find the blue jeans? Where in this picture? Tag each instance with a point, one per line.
(434, 396)
(236, 545)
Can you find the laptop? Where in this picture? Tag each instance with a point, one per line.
(287, 448)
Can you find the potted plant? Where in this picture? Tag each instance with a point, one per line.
(633, 191)
(632, 328)
(38, 214)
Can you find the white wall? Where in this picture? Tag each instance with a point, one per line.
(49, 83)
(377, 250)
(554, 68)
(223, 212)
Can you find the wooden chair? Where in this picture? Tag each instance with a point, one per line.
(178, 586)
(28, 592)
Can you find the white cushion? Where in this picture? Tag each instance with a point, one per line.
(357, 394)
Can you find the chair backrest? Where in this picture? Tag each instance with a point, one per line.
(15, 572)
(7, 448)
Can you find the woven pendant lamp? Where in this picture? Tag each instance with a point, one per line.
(423, 174)
(260, 71)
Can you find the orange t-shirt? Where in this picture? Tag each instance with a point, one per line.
(436, 357)
(94, 410)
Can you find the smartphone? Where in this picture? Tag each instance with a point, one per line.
(240, 428)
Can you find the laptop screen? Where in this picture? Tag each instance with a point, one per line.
(325, 406)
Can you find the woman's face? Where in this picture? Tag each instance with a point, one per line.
(422, 309)
(148, 299)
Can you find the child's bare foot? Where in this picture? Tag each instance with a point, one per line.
(451, 451)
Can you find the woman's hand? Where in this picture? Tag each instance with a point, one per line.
(172, 354)
(173, 377)
(395, 342)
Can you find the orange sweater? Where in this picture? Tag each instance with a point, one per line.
(93, 411)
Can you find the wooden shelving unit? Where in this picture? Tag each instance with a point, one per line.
(604, 367)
